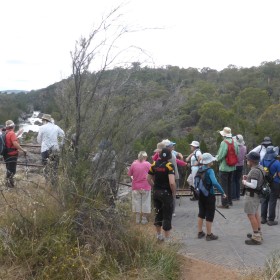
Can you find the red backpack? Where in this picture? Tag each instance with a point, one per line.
(231, 157)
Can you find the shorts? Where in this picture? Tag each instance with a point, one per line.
(207, 205)
(251, 204)
(141, 201)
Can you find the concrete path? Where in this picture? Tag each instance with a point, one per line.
(229, 250)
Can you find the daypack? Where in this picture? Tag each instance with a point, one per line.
(231, 157)
(3, 147)
(264, 189)
(268, 176)
(200, 185)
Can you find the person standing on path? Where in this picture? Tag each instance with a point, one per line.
(269, 161)
(207, 203)
(237, 173)
(11, 157)
(254, 179)
(51, 138)
(162, 180)
(226, 171)
(261, 149)
(141, 189)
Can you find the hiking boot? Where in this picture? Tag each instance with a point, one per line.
(249, 235)
(193, 199)
(160, 237)
(263, 221)
(272, 223)
(223, 206)
(200, 235)
(177, 196)
(144, 221)
(211, 237)
(252, 242)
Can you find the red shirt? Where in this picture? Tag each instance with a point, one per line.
(10, 138)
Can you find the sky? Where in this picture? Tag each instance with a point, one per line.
(37, 36)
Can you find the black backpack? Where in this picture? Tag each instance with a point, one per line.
(3, 147)
(264, 189)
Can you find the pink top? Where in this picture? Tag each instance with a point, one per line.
(179, 162)
(139, 171)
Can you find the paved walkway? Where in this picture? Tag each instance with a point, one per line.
(229, 250)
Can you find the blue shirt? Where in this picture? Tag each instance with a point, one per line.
(210, 179)
(274, 168)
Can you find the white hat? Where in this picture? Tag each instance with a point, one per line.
(226, 132)
(194, 144)
(207, 158)
(10, 123)
(168, 143)
(239, 139)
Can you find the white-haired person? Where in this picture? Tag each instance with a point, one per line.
(194, 159)
(207, 198)
(141, 189)
(11, 155)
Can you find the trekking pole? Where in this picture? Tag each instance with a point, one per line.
(26, 167)
(220, 213)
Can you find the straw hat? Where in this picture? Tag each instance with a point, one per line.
(226, 132)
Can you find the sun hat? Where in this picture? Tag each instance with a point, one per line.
(226, 132)
(207, 158)
(160, 146)
(271, 153)
(47, 117)
(266, 141)
(10, 123)
(195, 144)
(165, 154)
(239, 139)
(168, 143)
(253, 156)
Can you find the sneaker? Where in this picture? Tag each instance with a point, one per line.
(252, 242)
(144, 221)
(211, 237)
(230, 203)
(223, 206)
(272, 223)
(263, 221)
(160, 237)
(200, 235)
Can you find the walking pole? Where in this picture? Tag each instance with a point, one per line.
(220, 213)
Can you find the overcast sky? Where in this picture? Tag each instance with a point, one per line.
(38, 35)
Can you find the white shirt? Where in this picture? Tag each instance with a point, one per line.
(260, 150)
(48, 137)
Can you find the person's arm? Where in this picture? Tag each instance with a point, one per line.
(172, 183)
(180, 162)
(252, 185)
(17, 146)
(155, 156)
(215, 183)
(39, 137)
(151, 179)
(222, 152)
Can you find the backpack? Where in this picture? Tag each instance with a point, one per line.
(200, 185)
(3, 147)
(268, 176)
(264, 189)
(231, 157)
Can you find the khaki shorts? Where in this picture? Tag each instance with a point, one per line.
(141, 201)
(251, 204)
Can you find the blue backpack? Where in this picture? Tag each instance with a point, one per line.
(200, 185)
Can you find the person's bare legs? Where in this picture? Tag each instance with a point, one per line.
(208, 227)
(199, 224)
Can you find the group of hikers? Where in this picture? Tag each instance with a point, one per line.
(161, 177)
(50, 137)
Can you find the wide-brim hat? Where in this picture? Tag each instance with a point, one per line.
(271, 153)
(10, 123)
(207, 158)
(195, 144)
(168, 143)
(239, 139)
(46, 117)
(226, 132)
(266, 141)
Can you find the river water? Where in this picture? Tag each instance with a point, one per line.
(31, 123)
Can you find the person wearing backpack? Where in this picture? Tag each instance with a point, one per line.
(11, 154)
(205, 180)
(252, 183)
(227, 158)
(194, 159)
(261, 149)
(273, 165)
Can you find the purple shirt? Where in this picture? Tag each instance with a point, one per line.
(241, 155)
(139, 171)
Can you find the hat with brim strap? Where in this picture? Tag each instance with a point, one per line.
(266, 141)
(226, 132)
(207, 158)
(47, 117)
